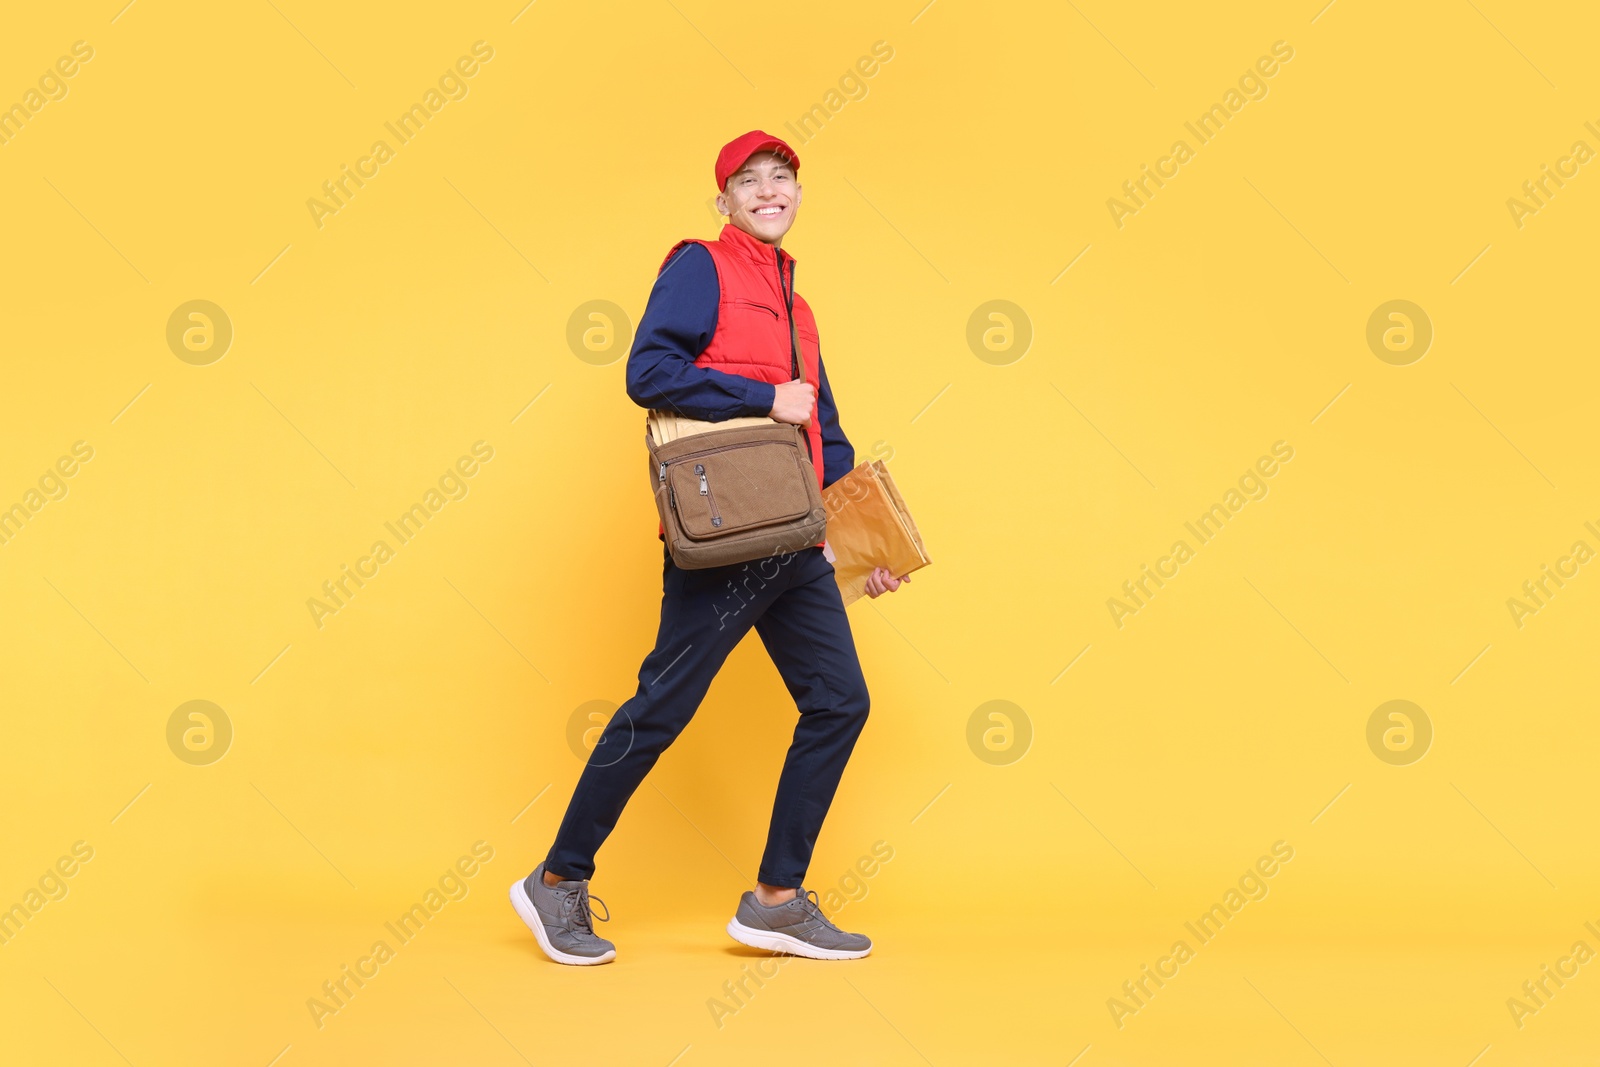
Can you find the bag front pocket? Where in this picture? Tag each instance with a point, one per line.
(735, 488)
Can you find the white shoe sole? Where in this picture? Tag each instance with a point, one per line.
(776, 942)
(530, 915)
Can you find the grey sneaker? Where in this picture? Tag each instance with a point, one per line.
(558, 915)
(796, 927)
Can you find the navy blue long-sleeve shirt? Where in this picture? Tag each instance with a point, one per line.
(678, 323)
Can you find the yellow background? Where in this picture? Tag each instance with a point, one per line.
(433, 711)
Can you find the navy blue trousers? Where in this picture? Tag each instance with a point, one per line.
(793, 601)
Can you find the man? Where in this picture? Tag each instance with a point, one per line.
(714, 343)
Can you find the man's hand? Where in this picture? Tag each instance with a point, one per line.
(881, 581)
(792, 402)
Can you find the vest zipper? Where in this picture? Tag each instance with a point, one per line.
(788, 294)
(758, 306)
(705, 491)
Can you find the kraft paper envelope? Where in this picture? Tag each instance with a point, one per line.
(869, 526)
(666, 426)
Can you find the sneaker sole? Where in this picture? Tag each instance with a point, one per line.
(793, 946)
(530, 916)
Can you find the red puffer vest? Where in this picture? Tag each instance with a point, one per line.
(752, 335)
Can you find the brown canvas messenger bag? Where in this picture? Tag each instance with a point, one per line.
(736, 490)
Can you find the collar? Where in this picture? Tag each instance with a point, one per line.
(750, 247)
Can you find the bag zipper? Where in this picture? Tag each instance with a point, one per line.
(706, 452)
(705, 491)
(700, 471)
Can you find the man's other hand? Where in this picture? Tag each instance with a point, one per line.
(792, 402)
(881, 581)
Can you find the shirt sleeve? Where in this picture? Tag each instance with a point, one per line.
(838, 455)
(678, 323)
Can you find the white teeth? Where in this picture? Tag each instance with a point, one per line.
(768, 210)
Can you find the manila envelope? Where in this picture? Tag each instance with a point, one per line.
(869, 526)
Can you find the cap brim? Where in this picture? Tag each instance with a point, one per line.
(767, 146)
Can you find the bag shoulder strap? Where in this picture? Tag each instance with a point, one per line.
(794, 334)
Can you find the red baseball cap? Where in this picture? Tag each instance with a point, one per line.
(736, 151)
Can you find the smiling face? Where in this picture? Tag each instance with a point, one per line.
(762, 197)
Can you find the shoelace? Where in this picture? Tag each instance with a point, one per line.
(811, 904)
(576, 909)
